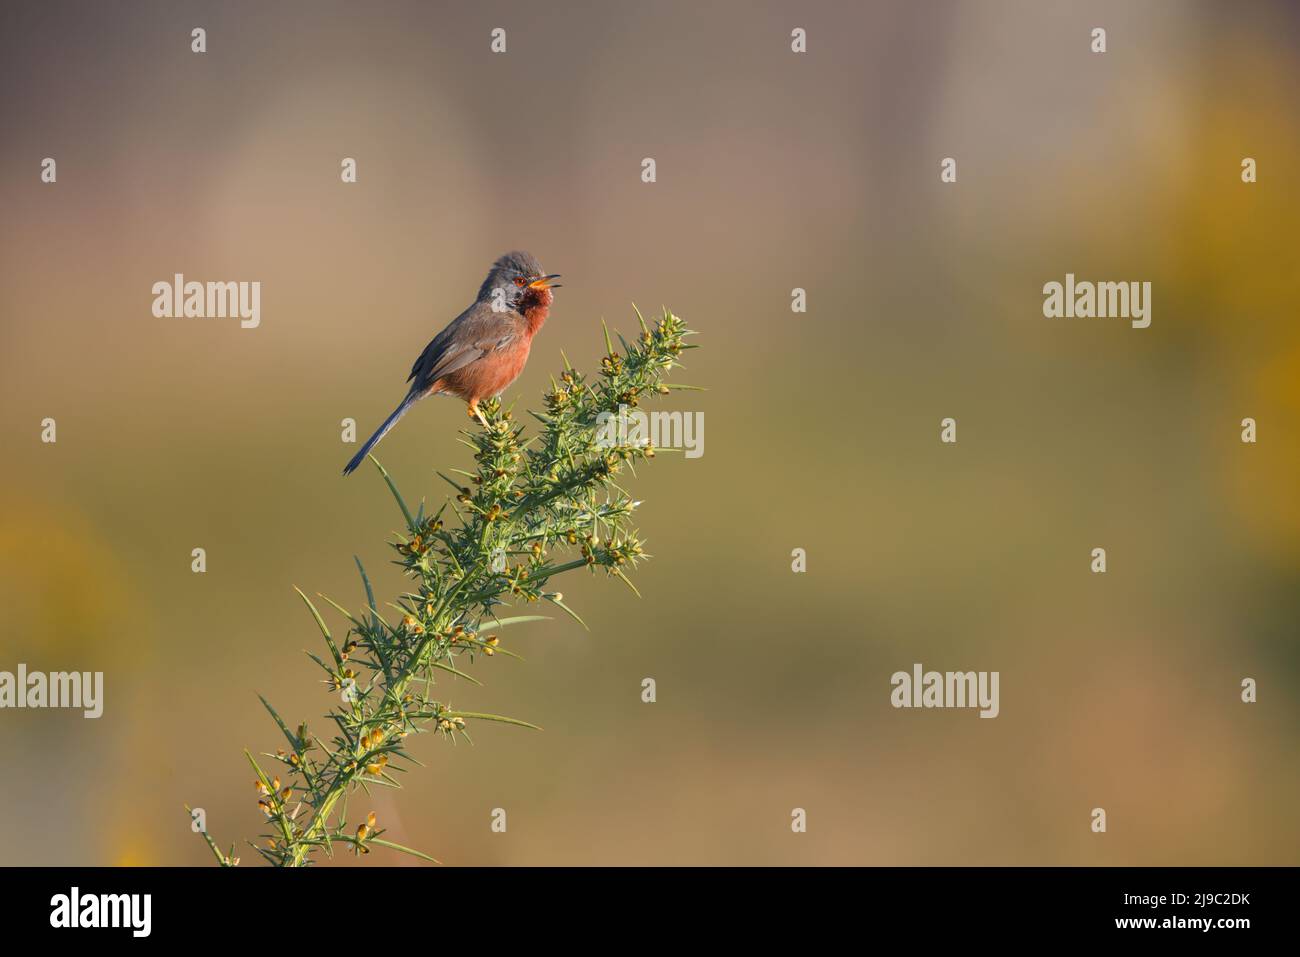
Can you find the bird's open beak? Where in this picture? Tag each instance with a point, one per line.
(544, 282)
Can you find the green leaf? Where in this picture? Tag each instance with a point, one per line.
(490, 717)
(222, 859)
(406, 512)
(405, 850)
(456, 672)
(289, 735)
(343, 611)
(626, 581)
(257, 769)
(449, 481)
(320, 623)
(316, 658)
(569, 611)
(269, 855)
(505, 622)
(365, 580)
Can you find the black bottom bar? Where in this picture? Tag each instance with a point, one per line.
(378, 905)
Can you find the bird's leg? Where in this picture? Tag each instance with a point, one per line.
(474, 413)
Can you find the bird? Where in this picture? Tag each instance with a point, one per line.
(483, 349)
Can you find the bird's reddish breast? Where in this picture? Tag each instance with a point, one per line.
(492, 374)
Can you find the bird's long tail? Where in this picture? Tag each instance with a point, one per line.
(379, 434)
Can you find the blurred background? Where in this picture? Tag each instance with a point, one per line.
(775, 171)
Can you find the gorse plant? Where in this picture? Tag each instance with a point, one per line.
(530, 510)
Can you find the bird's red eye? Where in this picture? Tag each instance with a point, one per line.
(519, 280)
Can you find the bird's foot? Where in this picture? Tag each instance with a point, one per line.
(474, 413)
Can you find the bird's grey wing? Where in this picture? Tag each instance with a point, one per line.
(470, 336)
(438, 346)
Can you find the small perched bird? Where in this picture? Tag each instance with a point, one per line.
(483, 349)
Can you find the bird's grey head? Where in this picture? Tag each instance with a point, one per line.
(515, 274)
